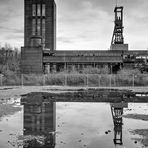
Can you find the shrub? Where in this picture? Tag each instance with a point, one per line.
(57, 79)
(92, 70)
(129, 72)
(32, 79)
(76, 80)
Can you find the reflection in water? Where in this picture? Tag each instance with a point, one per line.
(39, 122)
(117, 112)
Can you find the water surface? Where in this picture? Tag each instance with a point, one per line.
(47, 124)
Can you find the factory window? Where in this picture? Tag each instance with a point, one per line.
(38, 10)
(33, 26)
(38, 27)
(43, 31)
(34, 10)
(43, 9)
(43, 26)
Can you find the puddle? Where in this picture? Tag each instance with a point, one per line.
(40, 122)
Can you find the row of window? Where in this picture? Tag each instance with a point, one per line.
(38, 9)
(38, 28)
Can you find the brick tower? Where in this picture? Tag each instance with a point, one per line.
(40, 33)
(40, 20)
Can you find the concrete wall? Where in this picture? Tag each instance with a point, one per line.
(83, 53)
(123, 47)
(89, 56)
(31, 60)
(82, 59)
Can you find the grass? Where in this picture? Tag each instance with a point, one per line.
(89, 77)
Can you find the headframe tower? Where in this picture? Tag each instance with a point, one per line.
(117, 37)
(117, 42)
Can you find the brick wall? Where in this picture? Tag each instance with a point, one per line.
(31, 60)
(50, 22)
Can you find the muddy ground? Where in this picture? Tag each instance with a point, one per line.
(143, 136)
(13, 91)
(137, 116)
(142, 133)
(8, 109)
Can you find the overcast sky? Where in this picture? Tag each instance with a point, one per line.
(81, 24)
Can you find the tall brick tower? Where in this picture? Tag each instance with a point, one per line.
(40, 20)
(40, 33)
(39, 120)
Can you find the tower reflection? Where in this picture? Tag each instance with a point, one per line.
(39, 122)
(117, 112)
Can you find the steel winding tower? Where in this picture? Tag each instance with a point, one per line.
(117, 37)
(117, 112)
(117, 42)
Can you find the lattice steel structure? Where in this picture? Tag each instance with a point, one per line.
(117, 37)
(117, 112)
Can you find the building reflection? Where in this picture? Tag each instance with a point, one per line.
(117, 112)
(39, 122)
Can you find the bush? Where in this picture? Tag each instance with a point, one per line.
(11, 78)
(57, 79)
(129, 72)
(32, 79)
(92, 70)
(89, 77)
(76, 80)
(125, 77)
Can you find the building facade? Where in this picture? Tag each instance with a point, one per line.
(40, 22)
(39, 53)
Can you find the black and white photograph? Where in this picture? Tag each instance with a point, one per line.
(73, 73)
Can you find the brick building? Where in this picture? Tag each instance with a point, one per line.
(40, 21)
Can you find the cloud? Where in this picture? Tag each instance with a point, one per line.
(13, 30)
(64, 40)
(14, 36)
(85, 27)
(11, 24)
(81, 24)
(92, 21)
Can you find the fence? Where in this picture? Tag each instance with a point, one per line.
(66, 79)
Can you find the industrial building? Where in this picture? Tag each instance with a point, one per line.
(39, 119)
(39, 54)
